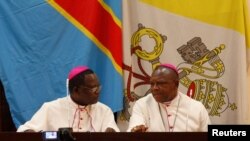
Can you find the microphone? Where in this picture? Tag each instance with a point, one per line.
(65, 134)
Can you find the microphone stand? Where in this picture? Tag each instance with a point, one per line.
(65, 134)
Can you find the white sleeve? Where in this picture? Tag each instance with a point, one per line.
(205, 120)
(109, 121)
(137, 116)
(37, 123)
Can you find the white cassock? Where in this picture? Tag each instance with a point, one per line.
(63, 112)
(182, 114)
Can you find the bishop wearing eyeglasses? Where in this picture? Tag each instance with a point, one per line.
(79, 110)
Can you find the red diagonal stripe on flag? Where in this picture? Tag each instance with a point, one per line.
(98, 21)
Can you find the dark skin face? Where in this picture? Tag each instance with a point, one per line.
(88, 93)
(164, 84)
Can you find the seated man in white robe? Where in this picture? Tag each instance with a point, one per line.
(166, 109)
(80, 111)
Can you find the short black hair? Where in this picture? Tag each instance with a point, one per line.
(79, 79)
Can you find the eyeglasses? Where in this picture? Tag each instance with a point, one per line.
(95, 89)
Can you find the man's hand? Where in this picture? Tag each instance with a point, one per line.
(110, 130)
(29, 130)
(139, 128)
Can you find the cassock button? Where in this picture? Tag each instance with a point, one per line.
(169, 115)
(171, 127)
(80, 118)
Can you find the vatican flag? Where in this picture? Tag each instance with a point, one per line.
(207, 40)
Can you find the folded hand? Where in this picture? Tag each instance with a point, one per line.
(139, 128)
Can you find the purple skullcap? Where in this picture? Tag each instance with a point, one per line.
(76, 71)
(170, 66)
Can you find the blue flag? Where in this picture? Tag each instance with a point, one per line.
(39, 44)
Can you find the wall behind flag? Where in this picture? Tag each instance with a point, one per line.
(42, 40)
